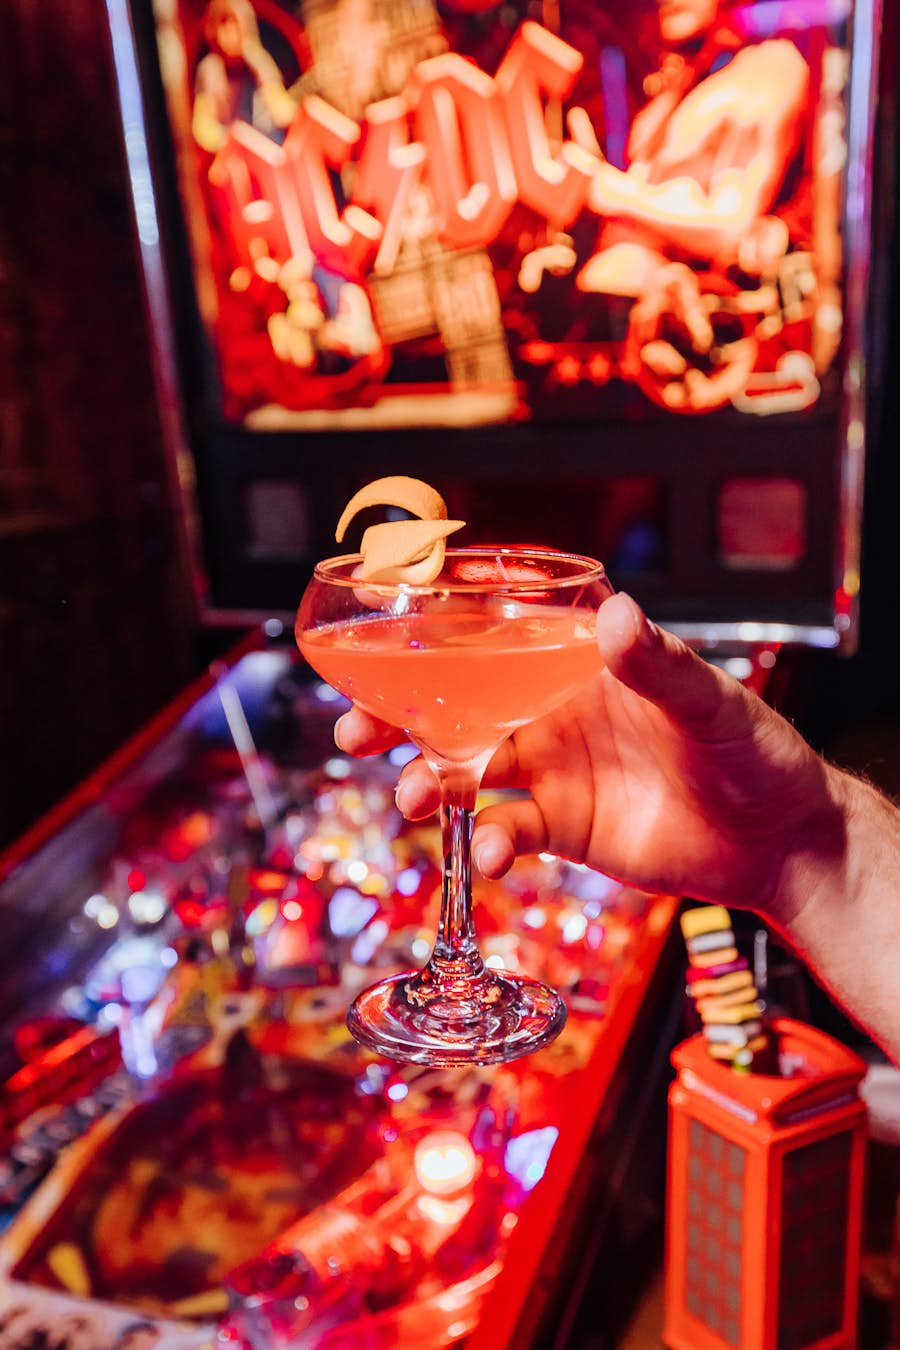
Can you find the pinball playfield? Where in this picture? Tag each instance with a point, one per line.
(197, 1152)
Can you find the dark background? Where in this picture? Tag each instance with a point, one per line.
(97, 630)
(95, 625)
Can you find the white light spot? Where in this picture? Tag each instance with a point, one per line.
(402, 754)
(325, 694)
(349, 912)
(526, 1156)
(574, 928)
(534, 917)
(407, 882)
(444, 1162)
(739, 667)
(146, 906)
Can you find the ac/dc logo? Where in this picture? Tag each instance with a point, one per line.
(478, 142)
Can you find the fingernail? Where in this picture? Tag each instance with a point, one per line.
(644, 630)
(482, 851)
(401, 791)
(647, 631)
(338, 733)
(628, 618)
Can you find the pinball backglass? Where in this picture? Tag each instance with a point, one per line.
(625, 244)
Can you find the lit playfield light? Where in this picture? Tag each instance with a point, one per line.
(445, 1162)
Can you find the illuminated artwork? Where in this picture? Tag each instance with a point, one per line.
(408, 214)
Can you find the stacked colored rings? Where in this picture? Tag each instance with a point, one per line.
(721, 985)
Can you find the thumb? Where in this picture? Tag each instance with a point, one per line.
(660, 668)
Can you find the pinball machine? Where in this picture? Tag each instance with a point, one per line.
(600, 275)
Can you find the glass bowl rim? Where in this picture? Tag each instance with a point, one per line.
(591, 570)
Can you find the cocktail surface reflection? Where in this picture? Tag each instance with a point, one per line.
(499, 638)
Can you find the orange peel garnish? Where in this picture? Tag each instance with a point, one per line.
(410, 551)
(410, 494)
(407, 552)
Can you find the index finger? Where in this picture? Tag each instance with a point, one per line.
(504, 770)
(359, 733)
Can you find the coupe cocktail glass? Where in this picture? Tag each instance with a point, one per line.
(501, 637)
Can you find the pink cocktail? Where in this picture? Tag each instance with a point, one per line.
(458, 683)
(498, 639)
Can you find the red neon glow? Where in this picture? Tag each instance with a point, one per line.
(189, 912)
(396, 207)
(388, 172)
(539, 65)
(460, 121)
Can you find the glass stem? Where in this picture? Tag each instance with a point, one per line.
(455, 942)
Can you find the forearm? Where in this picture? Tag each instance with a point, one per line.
(839, 906)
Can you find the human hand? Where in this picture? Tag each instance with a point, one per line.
(664, 772)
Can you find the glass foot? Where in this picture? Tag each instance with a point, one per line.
(489, 1020)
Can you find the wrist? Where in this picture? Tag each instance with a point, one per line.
(835, 865)
(838, 907)
(816, 859)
